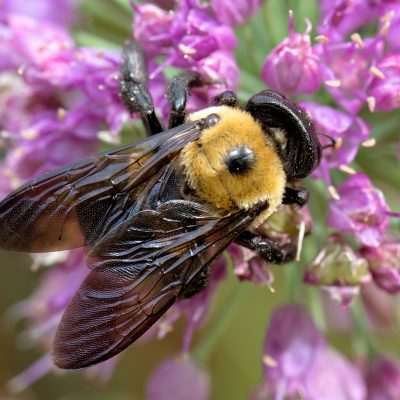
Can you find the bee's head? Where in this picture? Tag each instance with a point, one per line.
(233, 164)
(290, 129)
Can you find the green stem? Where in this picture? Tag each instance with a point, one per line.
(364, 343)
(204, 349)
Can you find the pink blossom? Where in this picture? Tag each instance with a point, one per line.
(386, 89)
(384, 262)
(292, 67)
(383, 378)
(178, 379)
(361, 211)
(235, 13)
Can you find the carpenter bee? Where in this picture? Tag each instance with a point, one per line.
(154, 215)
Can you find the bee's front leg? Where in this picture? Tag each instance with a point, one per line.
(266, 248)
(178, 91)
(133, 86)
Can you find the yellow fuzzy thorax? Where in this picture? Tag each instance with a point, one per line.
(208, 175)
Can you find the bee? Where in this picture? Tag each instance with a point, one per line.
(154, 215)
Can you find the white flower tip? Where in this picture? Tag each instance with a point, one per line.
(335, 83)
(347, 170)
(321, 39)
(21, 70)
(271, 289)
(29, 134)
(357, 39)
(333, 192)
(369, 143)
(371, 102)
(269, 361)
(107, 137)
(385, 28)
(300, 238)
(377, 72)
(338, 143)
(61, 113)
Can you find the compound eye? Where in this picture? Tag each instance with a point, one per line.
(239, 160)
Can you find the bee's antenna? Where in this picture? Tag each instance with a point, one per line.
(334, 143)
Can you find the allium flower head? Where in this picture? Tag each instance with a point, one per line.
(361, 210)
(292, 67)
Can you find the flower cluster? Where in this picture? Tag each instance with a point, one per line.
(194, 36)
(64, 102)
(357, 72)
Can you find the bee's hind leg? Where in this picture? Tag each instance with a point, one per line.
(133, 86)
(266, 248)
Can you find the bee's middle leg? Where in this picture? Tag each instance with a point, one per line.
(269, 250)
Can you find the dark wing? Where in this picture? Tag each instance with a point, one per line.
(74, 206)
(139, 270)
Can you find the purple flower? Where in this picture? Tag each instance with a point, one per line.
(361, 211)
(384, 263)
(347, 69)
(383, 378)
(292, 67)
(290, 348)
(178, 379)
(339, 270)
(63, 98)
(341, 17)
(197, 34)
(249, 266)
(390, 26)
(235, 13)
(61, 12)
(152, 28)
(348, 130)
(333, 377)
(386, 89)
(298, 364)
(189, 37)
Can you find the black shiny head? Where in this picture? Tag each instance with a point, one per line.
(239, 160)
(291, 130)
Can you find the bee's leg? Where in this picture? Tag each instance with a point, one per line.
(295, 196)
(133, 86)
(178, 91)
(198, 283)
(266, 248)
(227, 98)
